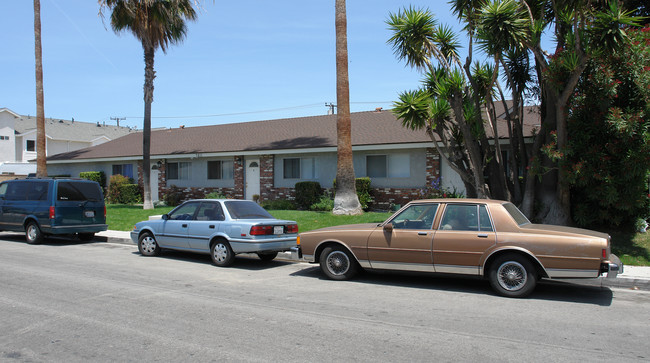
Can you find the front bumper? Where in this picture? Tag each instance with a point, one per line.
(296, 253)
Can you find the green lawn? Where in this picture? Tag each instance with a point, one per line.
(632, 248)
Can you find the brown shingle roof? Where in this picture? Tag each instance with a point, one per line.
(368, 128)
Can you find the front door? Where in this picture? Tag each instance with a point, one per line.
(407, 244)
(252, 178)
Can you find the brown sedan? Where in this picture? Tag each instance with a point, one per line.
(480, 237)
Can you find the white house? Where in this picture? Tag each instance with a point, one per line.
(18, 139)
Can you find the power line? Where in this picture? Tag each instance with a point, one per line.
(252, 112)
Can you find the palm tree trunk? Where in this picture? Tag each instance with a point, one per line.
(346, 200)
(149, 75)
(41, 154)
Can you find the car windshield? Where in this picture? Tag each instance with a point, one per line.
(516, 214)
(246, 210)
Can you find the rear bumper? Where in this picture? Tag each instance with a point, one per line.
(275, 245)
(612, 269)
(81, 228)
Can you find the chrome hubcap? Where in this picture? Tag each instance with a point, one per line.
(338, 263)
(31, 232)
(148, 244)
(512, 276)
(220, 252)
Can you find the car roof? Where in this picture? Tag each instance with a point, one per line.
(459, 201)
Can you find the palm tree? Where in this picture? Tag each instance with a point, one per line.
(346, 200)
(156, 23)
(41, 165)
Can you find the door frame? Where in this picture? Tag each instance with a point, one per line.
(251, 180)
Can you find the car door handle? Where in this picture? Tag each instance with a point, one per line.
(184, 226)
(422, 233)
(482, 235)
(211, 226)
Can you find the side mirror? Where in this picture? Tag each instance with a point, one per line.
(388, 227)
(165, 216)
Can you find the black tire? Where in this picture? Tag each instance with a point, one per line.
(86, 236)
(33, 233)
(338, 264)
(267, 256)
(513, 275)
(221, 253)
(147, 245)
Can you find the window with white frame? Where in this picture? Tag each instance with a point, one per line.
(179, 171)
(299, 168)
(388, 166)
(30, 145)
(123, 169)
(220, 169)
(4, 137)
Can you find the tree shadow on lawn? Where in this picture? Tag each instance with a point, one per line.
(623, 244)
(550, 290)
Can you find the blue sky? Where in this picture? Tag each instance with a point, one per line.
(242, 60)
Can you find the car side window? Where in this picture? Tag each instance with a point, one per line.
(16, 191)
(184, 213)
(484, 219)
(210, 212)
(418, 216)
(3, 189)
(37, 191)
(460, 217)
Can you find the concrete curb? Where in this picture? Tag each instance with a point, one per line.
(634, 277)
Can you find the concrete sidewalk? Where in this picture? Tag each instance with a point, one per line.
(633, 277)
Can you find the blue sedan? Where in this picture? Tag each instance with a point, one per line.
(219, 227)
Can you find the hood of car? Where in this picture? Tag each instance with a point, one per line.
(562, 230)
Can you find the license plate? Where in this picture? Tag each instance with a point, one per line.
(278, 229)
(89, 213)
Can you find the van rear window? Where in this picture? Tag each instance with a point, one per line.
(78, 191)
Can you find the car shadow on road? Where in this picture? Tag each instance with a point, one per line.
(243, 261)
(47, 241)
(545, 290)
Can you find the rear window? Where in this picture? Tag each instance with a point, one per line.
(246, 210)
(516, 214)
(76, 191)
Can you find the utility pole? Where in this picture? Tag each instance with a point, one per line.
(118, 120)
(331, 107)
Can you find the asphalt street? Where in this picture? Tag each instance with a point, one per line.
(72, 301)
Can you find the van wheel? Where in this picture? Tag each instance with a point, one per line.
(148, 246)
(86, 236)
(33, 234)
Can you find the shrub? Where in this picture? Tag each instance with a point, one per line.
(279, 204)
(326, 203)
(307, 193)
(122, 191)
(215, 195)
(174, 196)
(363, 191)
(98, 176)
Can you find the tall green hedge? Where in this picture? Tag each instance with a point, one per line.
(121, 191)
(98, 176)
(307, 193)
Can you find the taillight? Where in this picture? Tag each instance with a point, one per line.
(52, 212)
(104, 210)
(292, 228)
(261, 230)
(604, 253)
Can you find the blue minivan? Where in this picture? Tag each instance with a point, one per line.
(48, 206)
